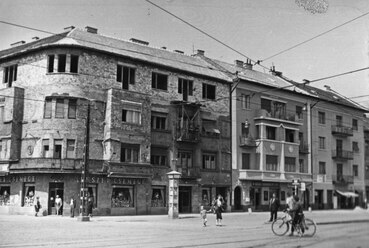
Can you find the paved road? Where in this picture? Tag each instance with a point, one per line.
(239, 230)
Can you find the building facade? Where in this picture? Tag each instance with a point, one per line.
(151, 111)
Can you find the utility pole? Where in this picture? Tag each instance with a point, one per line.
(83, 195)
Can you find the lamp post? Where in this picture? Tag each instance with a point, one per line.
(173, 177)
(83, 216)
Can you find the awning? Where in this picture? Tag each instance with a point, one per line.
(210, 128)
(347, 194)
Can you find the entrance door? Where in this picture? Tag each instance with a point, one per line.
(184, 199)
(319, 198)
(54, 190)
(237, 198)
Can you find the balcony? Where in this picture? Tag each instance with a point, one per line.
(277, 116)
(342, 180)
(189, 173)
(304, 148)
(247, 142)
(136, 170)
(48, 164)
(342, 155)
(342, 131)
(188, 135)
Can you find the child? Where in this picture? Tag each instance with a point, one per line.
(204, 215)
(37, 205)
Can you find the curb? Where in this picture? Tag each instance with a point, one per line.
(341, 222)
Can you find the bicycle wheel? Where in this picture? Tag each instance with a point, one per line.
(280, 227)
(310, 227)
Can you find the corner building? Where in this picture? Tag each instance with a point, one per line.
(151, 111)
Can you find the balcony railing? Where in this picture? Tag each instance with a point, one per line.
(276, 115)
(342, 179)
(342, 155)
(188, 135)
(343, 131)
(247, 141)
(189, 172)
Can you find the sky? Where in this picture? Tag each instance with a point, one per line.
(258, 29)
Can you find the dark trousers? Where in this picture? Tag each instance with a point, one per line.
(72, 211)
(273, 215)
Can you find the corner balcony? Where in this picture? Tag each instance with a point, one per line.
(342, 180)
(342, 155)
(188, 135)
(304, 148)
(247, 142)
(342, 131)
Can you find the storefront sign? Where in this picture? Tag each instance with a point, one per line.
(115, 180)
(265, 184)
(14, 179)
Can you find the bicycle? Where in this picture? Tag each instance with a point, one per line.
(306, 227)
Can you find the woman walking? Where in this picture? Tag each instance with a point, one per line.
(219, 210)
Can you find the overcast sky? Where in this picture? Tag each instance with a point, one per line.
(258, 29)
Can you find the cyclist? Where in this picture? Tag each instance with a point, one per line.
(297, 214)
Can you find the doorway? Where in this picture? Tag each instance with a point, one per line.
(54, 190)
(184, 199)
(237, 198)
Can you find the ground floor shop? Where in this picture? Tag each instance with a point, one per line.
(110, 195)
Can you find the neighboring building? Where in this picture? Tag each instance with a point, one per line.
(151, 111)
(366, 164)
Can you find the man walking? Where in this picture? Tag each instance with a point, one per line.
(273, 206)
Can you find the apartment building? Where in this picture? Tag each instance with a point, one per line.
(150, 111)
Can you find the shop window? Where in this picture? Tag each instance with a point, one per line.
(10, 75)
(71, 143)
(206, 197)
(158, 197)
(122, 197)
(283, 195)
(45, 148)
(92, 193)
(47, 108)
(208, 91)
(209, 161)
(4, 195)
(58, 149)
(28, 194)
(159, 81)
(126, 75)
(72, 108)
(266, 195)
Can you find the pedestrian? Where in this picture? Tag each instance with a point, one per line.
(203, 213)
(289, 200)
(72, 206)
(58, 205)
(90, 205)
(37, 206)
(218, 210)
(297, 214)
(273, 206)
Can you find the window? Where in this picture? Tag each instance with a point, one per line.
(71, 143)
(131, 116)
(339, 170)
(266, 104)
(271, 131)
(185, 86)
(184, 159)
(290, 164)
(62, 60)
(283, 195)
(74, 64)
(122, 197)
(209, 127)
(59, 109)
(321, 142)
(208, 161)
(321, 117)
(322, 168)
(158, 197)
(266, 195)
(58, 148)
(72, 108)
(354, 124)
(245, 101)
(10, 75)
(48, 108)
(208, 91)
(271, 163)
(4, 195)
(206, 196)
(290, 135)
(45, 148)
(355, 170)
(339, 120)
(355, 146)
(302, 167)
(159, 81)
(158, 156)
(50, 64)
(126, 75)
(129, 153)
(2, 114)
(158, 121)
(28, 194)
(299, 112)
(246, 161)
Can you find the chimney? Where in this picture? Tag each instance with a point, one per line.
(200, 52)
(248, 64)
(142, 42)
(179, 51)
(35, 38)
(18, 43)
(327, 88)
(70, 28)
(238, 63)
(91, 30)
(274, 72)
